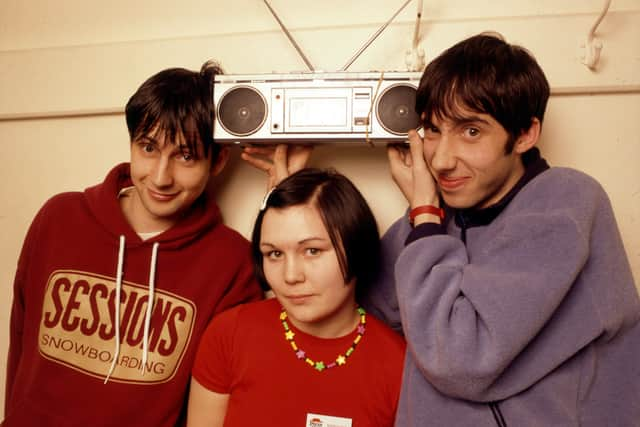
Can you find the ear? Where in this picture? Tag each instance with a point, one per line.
(221, 161)
(529, 137)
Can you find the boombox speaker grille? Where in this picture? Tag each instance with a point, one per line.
(396, 111)
(242, 111)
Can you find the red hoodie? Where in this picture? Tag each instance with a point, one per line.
(63, 339)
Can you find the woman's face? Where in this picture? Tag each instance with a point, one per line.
(301, 266)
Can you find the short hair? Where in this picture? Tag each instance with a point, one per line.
(176, 100)
(485, 74)
(345, 213)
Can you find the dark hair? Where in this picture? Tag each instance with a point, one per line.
(345, 214)
(485, 74)
(176, 99)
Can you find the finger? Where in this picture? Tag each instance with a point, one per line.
(280, 163)
(257, 162)
(393, 154)
(416, 146)
(400, 172)
(397, 159)
(403, 153)
(299, 156)
(424, 190)
(265, 150)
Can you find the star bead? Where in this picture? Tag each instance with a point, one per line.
(289, 335)
(300, 354)
(361, 329)
(341, 360)
(319, 366)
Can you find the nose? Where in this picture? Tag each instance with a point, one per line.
(293, 271)
(443, 156)
(162, 174)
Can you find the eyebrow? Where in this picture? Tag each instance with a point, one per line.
(147, 138)
(471, 119)
(300, 242)
(459, 121)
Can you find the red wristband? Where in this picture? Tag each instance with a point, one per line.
(425, 209)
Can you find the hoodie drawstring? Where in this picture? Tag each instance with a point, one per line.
(150, 301)
(116, 353)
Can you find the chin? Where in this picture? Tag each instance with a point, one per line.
(303, 314)
(457, 203)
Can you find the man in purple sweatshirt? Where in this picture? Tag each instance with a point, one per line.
(508, 278)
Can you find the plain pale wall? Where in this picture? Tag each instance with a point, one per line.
(83, 56)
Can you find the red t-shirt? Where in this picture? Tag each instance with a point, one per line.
(244, 353)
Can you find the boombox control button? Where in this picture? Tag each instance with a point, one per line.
(361, 121)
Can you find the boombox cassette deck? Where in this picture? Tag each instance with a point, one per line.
(315, 107)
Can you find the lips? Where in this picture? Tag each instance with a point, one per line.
(450, 184)
(161, 197)
(298, 299)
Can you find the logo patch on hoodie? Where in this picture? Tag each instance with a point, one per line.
(78, 328)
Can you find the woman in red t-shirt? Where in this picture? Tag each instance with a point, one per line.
(311, 356)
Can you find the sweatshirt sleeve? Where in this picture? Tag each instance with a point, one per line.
(16, 321)
(15, 334)
(380, 298)
(487, 324)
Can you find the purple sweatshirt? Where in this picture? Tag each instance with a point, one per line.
(535, 321)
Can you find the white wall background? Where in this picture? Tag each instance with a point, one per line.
(86, 57)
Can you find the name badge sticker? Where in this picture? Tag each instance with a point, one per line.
(317, 420)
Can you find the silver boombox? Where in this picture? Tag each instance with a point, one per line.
(315, 107)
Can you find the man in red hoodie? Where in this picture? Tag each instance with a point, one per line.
(86, 346)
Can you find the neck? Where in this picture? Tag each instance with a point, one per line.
(134, 213)
(339, 323)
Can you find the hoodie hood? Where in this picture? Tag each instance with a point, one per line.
(103, 203)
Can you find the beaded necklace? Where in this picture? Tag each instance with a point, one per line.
(319, 365)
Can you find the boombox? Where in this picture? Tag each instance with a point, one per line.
(340, 107)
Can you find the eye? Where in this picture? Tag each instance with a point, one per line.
(430, 131)
(147, 148)
(183, 154)
(313, 251)
(272, 254)
(428, 128)
(472, 132)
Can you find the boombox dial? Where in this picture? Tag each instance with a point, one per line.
(242, 111)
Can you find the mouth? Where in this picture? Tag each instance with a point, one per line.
(449, 184)
(161, 197)
(298, 299)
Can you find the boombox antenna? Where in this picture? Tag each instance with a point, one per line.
(373, 37)
(416, 29)
(414, 56)
(290, 37)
